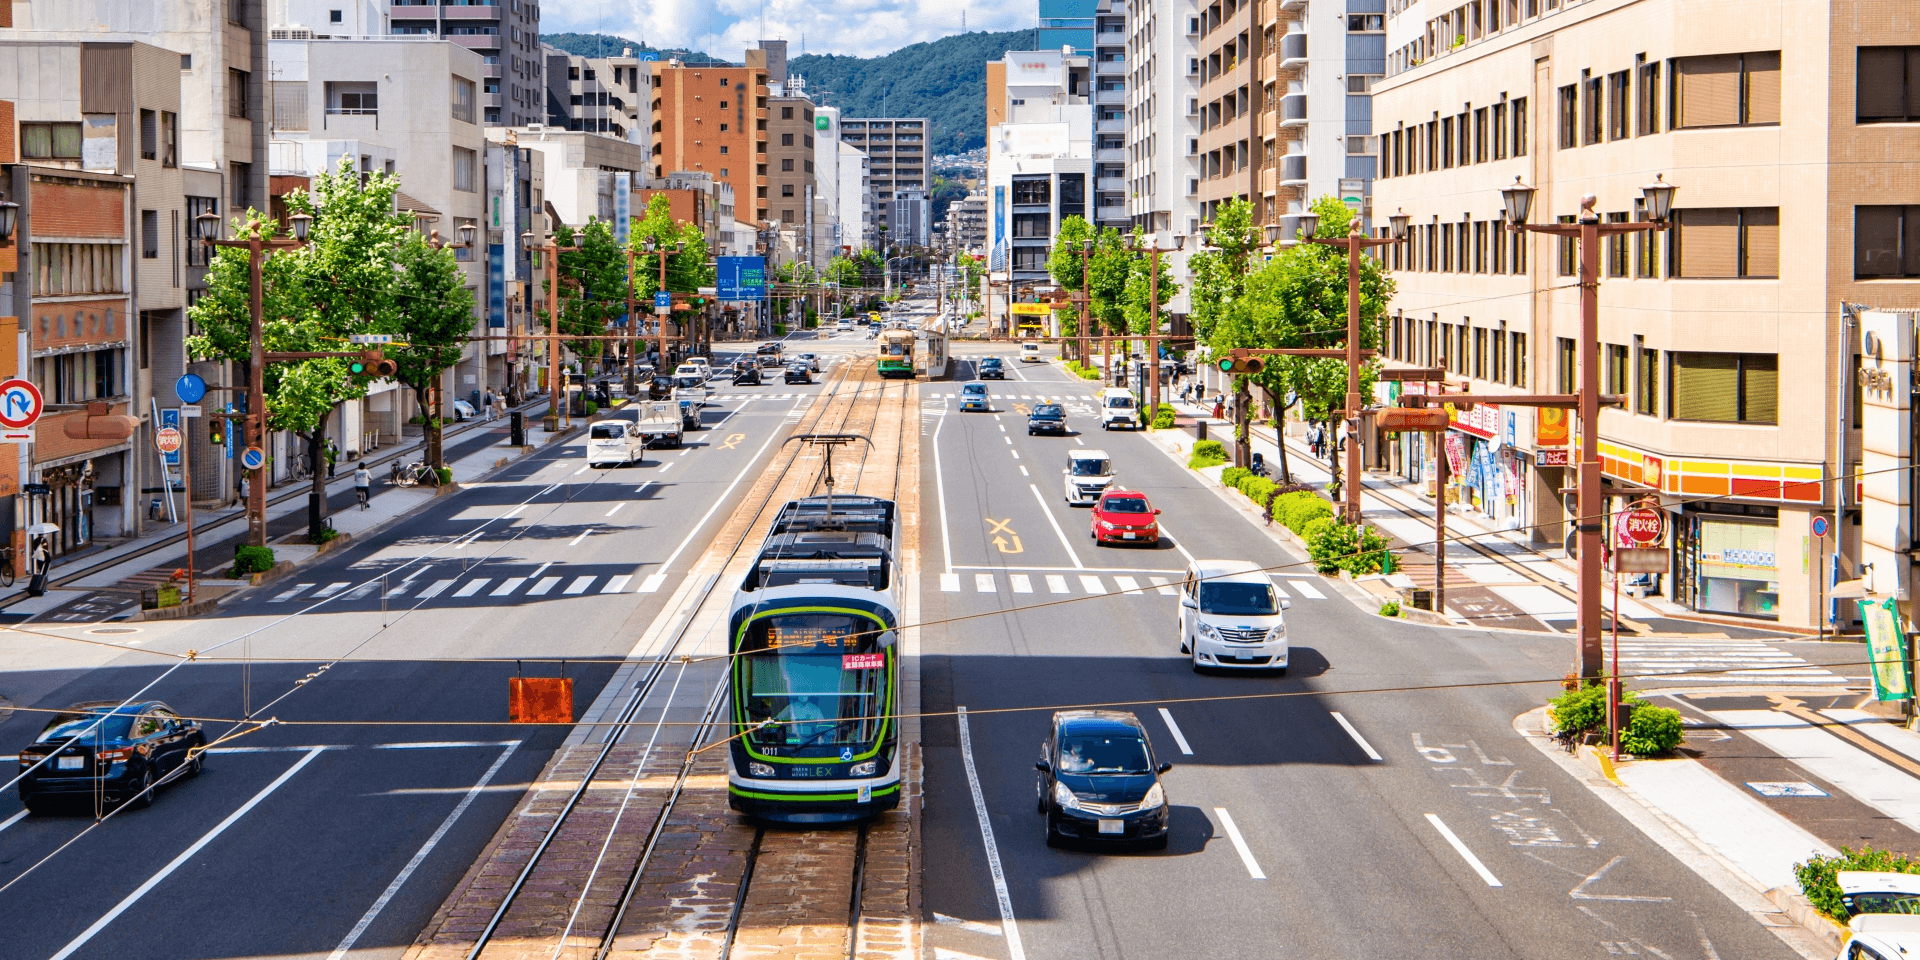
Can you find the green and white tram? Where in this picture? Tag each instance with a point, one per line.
(816, 672)
(896, 353)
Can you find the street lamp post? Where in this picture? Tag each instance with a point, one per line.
(1153, 313)
(1086, 300)
(1353, 243)
(436, 446)
(1518, 199)
(257, 247)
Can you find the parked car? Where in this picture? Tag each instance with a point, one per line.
(1088, 474)
(1231, 616)
(748, 377)
(1124, 516)
(120, 758)
(1047, 418)
(973, 396)
(992, 369)
(1099, 780)
(797, 373)
(462, 410)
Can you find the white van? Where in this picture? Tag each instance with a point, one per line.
(612, 442)
(1088, 475)
(1230, 616)
(1030, 353)
(1117, 409)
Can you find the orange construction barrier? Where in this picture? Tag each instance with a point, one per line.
(540, 699)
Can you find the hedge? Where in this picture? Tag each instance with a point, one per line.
(1336, 546)
(1232, 476)
(1207, 453)
(1297, 509)
(1646, 729)
(1163, 417)
(250, 560)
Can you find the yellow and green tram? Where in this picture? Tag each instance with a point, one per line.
(896, 353)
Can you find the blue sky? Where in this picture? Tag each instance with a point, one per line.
(724, 28)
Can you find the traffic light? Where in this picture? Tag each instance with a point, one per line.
(217, 431)
(371, 363)
(1248, 365)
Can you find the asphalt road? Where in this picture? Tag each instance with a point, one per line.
(305, 841)
(1459, 840)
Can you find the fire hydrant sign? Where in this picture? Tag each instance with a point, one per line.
(167, 439)
(20, 404)
(1641, 525)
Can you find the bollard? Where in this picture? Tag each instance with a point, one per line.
(1199, 431)
(517, 435)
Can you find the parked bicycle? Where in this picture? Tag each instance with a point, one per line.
(6, 566)
(415, 474)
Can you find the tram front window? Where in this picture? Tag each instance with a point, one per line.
(804, 672)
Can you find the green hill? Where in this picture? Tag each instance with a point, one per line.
(944, 80)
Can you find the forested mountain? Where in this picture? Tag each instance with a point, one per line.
(944, 80)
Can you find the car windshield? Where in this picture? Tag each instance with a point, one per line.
(1092, 755)
(1124, 505)
(1049, 411)
(609, 431)
(1905, 903)
(990, 362)
(1089, 467)
(801, 671)
(686, 381)
(1238, 599)
(974, 389)
(1120, 403)
(66, 727)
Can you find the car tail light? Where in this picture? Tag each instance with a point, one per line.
(111, 756)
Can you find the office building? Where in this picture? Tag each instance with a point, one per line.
(1162, 128)
(712, 118)
(506, 37)
(897, 149)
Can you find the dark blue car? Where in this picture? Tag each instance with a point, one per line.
(1099, 780)
(991, 369)
(120, 759)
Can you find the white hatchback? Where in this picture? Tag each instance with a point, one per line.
(1231, 616)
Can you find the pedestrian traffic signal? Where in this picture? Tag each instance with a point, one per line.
(217, 431)
(1247, 365)
(371, 363)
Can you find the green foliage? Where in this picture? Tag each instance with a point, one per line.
(593, 407)
(1107, 269)
(1210, 448)
(327, 535)
(593, 283)
(1585, 710)
(1083, 371)
(1298, 509)
(603, 45)
(1652, 730)
(1820, 881)
(779, 329)
(1232, 476)
(1335, 545)
(1163, 417)
(1390, 609)
(446, 473)
(1258, 489)
(1201, 461)
(251, 560)
(944, 80)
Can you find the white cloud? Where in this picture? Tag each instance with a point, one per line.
(725, 28)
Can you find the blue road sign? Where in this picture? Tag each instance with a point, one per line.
(170, 417)
(190, 389)
(741, 278)
(253, 458)
(662, 300)
(1820, 527)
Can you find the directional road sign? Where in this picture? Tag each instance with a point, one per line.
(190, 389)
(20, 403)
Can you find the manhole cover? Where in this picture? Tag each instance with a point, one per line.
(115, 630)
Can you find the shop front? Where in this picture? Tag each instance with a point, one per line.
(1486, 469)
(1728, 563)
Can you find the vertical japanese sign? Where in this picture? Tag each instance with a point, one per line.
(170, 417)
(622, 207)
(496, 285)
(1887, 646)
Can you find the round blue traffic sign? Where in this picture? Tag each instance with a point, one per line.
(253, 458)
(190, 389)
(1820, 526)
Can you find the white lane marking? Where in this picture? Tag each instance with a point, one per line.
(1127, 584)
(583, 469)
(541, 588)
(16, 818)
(188, 854)
(1057, 583)
(675, 555)
(579, 585)
(1021, 582)
(432, 744)
(507, 586)
(616, 584)
(1016, 454)
(1282, 591)
(1179, 543)
(330, 589)
(1355, 734)
(652, 583)
(1009, 440)
(1174, 728)
(473, 586)
(668, 465)
(406, 872)
(1161, 584)
(643, 487)
(1239, 843)
(1465, 854)
(1092, 584)
(983, 582)
(290, 594)
(616, 509)
(1079, 441)
(949, 583)
(1062, 534)
(435, 589)
(1003, 429)
(940, 487)
(537, 571)
(558, 464)
(975, 926)
(583, 535)
(1015, 950)
(1307, 588)
(1023, 471)
(510, 514)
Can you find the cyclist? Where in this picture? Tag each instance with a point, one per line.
(362, 480)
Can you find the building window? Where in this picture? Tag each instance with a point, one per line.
(463, 100)
(242, 184)
(786, 139)
(786, 166)
(1569, 252)
(149, 135)
(50, 141)
(169, 138)
(71, 269)
(1616, 248)
(197, 251)
(237, 83)
(1032, 191)
(1366, 22)
(1520, 126)
(723, 149)
(1479, 352)
(463, 164)
(1725, 243)
(1619, 97)
(1480, 135)
(1616, 369)
(786, 189)
(1888, 85)
(1724, 387)
(1649, 99)
(1886, 242)
(1735, 89)
(1647, 389)
(1499, 131)
(1592, 115)
(786, 113)
(1569, 365)
(1569, 116)
(1520, 360)
(149, 234)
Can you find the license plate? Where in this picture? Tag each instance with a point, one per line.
(1128, 536)
(1113, 826)
(69, 763)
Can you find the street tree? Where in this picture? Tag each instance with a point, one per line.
(687, 270)
(592, 285)
(434, 314)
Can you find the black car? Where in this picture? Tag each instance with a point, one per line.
(1047, 418)
(660, 388)
(798, 373)
(990, 369)
(689, 415)
(748, 377)
(119, 758)
(1099, 780)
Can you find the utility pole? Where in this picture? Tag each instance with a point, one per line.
(1086, 300)
(257, 247)
(654, 247)
(551, 264)
(1353, 243)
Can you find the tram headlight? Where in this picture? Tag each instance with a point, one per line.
(758, 769)
(867, 769)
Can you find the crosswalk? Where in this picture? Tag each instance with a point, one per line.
(1712, 660)
(420, 588)
(1047, 397)
(1088, 584)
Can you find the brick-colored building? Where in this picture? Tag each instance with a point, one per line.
(713, 119)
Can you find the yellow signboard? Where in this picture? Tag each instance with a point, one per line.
(1032, 309)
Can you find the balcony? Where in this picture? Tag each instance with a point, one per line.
(1114, 97)
(1111, 68)
(1116, 125)
(475, 41)
(1110, 184)
(1116, 211)
(469, 12)
(1293, 110)
(1293, 5)
(1110, 155)
(1293, 170)
(1293, 50)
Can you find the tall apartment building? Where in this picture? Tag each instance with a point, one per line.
(856, 198)
(713, 118)
(1273, 130)
(897, 148)
(1789, 120)
(1039, 159)
(604, 95)
(507, 38)
(1162, 127)
(1098, 30)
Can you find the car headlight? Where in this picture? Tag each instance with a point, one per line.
(1065, 797)
(1207, 632)
(1155, 798)
(758, 769)
(1277, 633)
(867, 769)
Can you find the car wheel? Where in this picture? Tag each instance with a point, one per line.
(1280, 671)
(143, 794)
(1053, 839)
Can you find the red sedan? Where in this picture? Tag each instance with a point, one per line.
(1125, 516)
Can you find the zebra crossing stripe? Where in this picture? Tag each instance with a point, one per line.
(1092, 584)
(361, 591)
(579, 585)
(1307, 589)
(291, 593)
(541, 588)
(507, 586)
(438, 587)
(1057, 583)
(1127, 584)
(1160, 583)
(983, 582)
(652, 583)
(331, 589)
(473, 586)
(1021, 582)
(1282, 591)
(616, 584)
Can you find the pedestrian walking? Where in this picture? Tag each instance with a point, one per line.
(332, 453)
(500, 405)
(362, 484)
(486, 403)
(1219, 412)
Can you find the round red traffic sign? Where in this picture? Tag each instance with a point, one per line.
(167, 439)
(20, 403)
(1642, 525)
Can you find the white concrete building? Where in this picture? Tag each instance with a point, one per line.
(855, 191)
(1039, 162)
(1163, 126)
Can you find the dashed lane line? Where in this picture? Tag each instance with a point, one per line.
(1174, 728)
(1465, 854)
(1355, 734)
